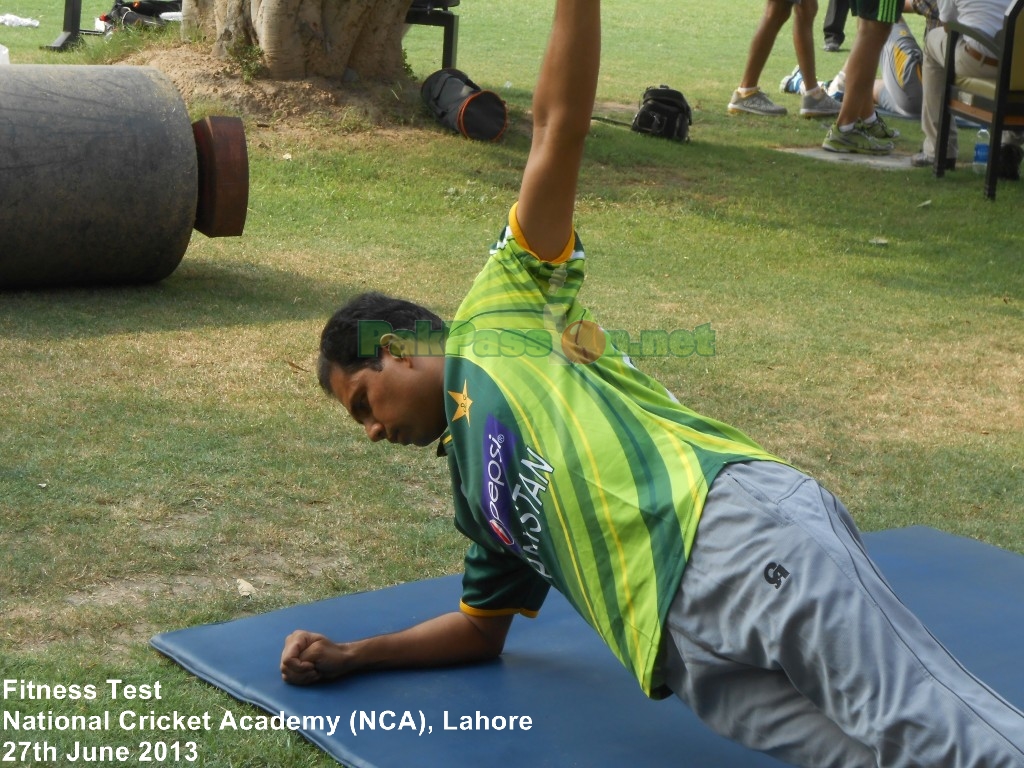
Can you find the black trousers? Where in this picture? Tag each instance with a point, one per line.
(835, 20)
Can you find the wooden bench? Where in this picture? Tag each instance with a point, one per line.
(997, 104)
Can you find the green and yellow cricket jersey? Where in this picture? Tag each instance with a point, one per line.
(585, 476)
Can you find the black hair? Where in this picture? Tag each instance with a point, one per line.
(339, 341)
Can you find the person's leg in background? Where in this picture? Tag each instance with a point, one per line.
(748, 97)
(834, 24)
(858, 129)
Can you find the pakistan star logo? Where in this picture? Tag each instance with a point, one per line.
(462, 402)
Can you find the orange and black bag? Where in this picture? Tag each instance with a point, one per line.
(461, 105)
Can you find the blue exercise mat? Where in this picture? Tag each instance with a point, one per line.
(585, 708)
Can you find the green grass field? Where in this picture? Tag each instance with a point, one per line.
(158, 443)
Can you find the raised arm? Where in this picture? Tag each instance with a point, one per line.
(563, 103)
(452, 638)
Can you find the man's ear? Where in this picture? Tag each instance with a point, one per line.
(393, 344)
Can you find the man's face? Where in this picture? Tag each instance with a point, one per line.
(402, 403)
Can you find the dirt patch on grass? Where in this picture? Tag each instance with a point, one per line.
(138, 590)
(212, 83)
(119, 612)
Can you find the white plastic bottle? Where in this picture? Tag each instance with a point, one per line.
(981, 151)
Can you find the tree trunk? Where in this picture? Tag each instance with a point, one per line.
(302, 38)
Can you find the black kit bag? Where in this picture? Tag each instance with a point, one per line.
(664, 112)
(461, 105)
(138, 12)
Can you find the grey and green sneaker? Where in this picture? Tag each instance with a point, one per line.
(817, 103)
(756, 103)
(878, 129)
(854, 142)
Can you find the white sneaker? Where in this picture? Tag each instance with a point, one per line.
(837, 85)
(756, 103)
(791, 83)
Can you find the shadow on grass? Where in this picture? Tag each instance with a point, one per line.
(913, 231)
(195, 296)
(715, 188)
(970, 489)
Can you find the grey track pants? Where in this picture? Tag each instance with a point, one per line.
(786, 638)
